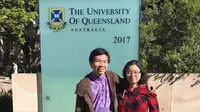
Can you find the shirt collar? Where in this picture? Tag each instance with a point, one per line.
(94, 77)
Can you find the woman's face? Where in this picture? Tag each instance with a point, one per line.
(133, 74)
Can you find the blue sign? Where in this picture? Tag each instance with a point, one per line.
(70, 30)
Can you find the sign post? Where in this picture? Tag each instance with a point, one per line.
(70, 30)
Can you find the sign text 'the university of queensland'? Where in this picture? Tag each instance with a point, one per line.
(95, 16)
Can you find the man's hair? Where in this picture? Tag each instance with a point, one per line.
(98, 51)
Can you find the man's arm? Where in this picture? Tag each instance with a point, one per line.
(79, 104)
(119, 84)
(149, 84)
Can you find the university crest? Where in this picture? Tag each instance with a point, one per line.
(56, 19)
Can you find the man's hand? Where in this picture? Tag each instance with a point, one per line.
(150, 86)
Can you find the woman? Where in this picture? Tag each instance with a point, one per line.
(136, 97)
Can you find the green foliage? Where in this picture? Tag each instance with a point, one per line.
(170, 35)
(170, 39)
(18, 32)
(14, 16)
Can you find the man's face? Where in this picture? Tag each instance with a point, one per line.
(99, 64)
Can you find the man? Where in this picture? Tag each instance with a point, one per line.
(97, 91)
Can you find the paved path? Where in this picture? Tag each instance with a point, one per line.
(5, 83)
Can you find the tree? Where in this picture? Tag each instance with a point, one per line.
(19, 31)
(170, 37)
